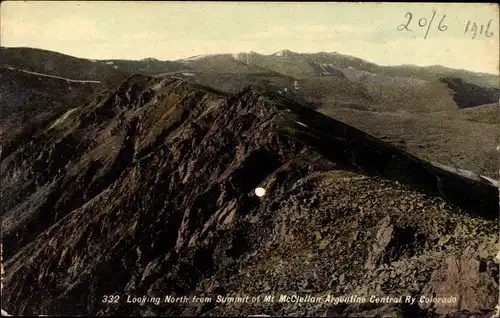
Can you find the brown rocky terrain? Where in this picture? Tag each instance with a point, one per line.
(148, 190)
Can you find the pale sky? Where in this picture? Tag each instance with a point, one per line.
(175, 30)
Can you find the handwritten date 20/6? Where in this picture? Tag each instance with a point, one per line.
(423, 22)
(471, 27)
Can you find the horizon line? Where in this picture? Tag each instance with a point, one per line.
(251, 51)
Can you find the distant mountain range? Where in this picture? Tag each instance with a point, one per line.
(285, 62)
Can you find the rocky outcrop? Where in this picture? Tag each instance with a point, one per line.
(473, 282)
(470, 95)
(147, 191)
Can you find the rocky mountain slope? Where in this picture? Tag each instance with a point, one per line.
(148, 190)
(424, 119)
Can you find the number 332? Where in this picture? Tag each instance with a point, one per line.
(110, 299)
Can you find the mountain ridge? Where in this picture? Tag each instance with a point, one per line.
(478, 77)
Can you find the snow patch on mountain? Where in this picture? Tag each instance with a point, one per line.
(62, 118)
(283, 53)
(197, 57)
(302, 124)
(468, 174)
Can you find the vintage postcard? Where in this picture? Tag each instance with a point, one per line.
(249, 158)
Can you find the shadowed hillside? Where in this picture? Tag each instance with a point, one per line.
(468, 95)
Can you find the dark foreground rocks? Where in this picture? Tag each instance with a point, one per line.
(147, 192)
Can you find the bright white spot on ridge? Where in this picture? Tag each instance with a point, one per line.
(260, 192)
(302, 124)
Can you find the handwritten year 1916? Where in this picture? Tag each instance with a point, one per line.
(473, 28)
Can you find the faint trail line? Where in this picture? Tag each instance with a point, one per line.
(53, 76)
